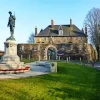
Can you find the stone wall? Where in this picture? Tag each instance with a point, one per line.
(28, 51)
(60, 39)
(34, 51)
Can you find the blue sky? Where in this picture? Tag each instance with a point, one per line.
(31, 13)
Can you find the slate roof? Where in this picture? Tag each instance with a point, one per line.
(75, 31)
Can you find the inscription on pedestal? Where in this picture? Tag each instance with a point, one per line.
(10, 48)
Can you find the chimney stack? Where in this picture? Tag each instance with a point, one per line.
(82, 30)
(70, 22)
(52, 23)
(36, 31)
(85, 30)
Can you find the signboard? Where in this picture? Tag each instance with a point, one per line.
(53, 66)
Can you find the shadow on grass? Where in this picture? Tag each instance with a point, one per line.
(84, 80)
(96, 85)
(69, 93)
(71, 82)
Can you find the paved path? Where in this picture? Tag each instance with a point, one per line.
(34, 71)
(97, 65)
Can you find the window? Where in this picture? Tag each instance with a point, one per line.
(66, 38)
(34, 49)
(60, 39)
(76, 38)
(31, 47)
(60, 30)
(22, 48)
(70, 38)
(40, 39)
(45, 38)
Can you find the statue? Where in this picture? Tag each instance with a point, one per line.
(11, 24)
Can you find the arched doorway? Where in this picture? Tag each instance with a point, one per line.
(51, 52)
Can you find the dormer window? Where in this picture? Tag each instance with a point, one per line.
(60, 30)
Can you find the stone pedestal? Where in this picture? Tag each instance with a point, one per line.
(10, 60)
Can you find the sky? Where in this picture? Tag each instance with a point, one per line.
(31, 13)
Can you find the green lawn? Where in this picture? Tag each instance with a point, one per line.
(72, 82)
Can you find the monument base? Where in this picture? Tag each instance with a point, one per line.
(10, 61)
(14, 69)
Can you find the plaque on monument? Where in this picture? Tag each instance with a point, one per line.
(53, 66)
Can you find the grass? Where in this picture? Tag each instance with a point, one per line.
(72, 82)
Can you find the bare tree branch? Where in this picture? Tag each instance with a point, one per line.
(31, 38)
(92, 21)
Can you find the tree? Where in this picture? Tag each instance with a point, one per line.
(31, 38)
(92, 22)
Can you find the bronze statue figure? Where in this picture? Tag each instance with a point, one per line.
(11, 24)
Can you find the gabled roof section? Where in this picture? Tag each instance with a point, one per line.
(67, 31)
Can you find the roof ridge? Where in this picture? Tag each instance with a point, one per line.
(75, 32)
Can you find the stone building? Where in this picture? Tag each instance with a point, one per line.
(57, 42)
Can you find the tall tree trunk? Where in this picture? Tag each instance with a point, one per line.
(97, 48)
